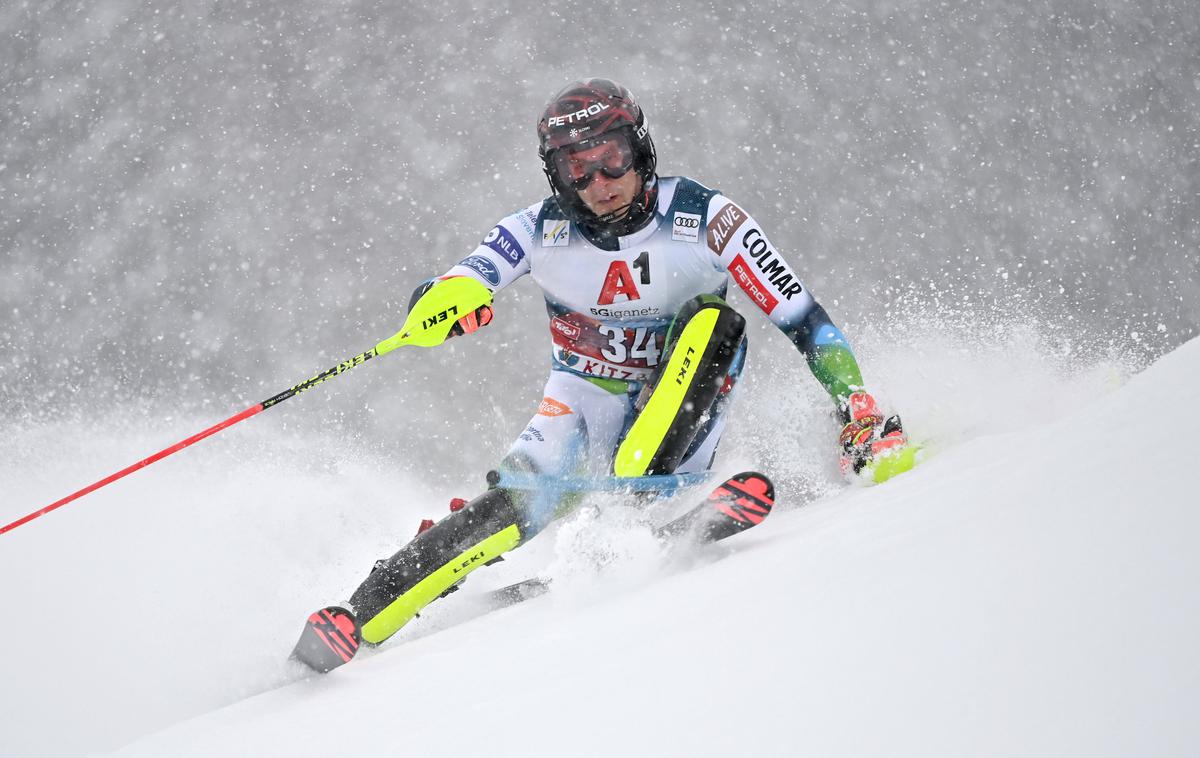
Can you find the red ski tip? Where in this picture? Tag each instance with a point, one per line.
(755, 486)
(336, 629)
(746, 498)
(744, 511)
(330, 638)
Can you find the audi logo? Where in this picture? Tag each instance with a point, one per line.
(687, 223)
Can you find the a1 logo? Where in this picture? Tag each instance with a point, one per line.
(618, 281)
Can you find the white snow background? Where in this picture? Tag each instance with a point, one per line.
(1028, 590)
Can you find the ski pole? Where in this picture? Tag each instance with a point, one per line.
(427, 325)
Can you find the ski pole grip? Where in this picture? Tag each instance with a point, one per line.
(429, 322)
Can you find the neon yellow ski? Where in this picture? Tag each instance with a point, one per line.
(892, 464)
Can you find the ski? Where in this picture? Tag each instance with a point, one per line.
(737, 504)
(519, 592)
(740, 502)
(884, 467)
(330, 638)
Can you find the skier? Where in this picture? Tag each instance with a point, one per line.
(634, 268)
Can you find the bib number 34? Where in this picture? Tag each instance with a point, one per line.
(630, 344)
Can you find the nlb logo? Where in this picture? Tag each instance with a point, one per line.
(500, 240)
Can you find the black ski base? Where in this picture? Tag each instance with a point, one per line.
(331, 636)
(518, 593)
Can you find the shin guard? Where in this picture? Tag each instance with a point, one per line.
(673, 406)
(436, 560)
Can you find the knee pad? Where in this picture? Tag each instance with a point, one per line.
(701, 345)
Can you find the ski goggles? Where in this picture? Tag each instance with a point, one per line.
(577, 165)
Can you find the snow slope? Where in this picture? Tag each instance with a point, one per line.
(1030, 592)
